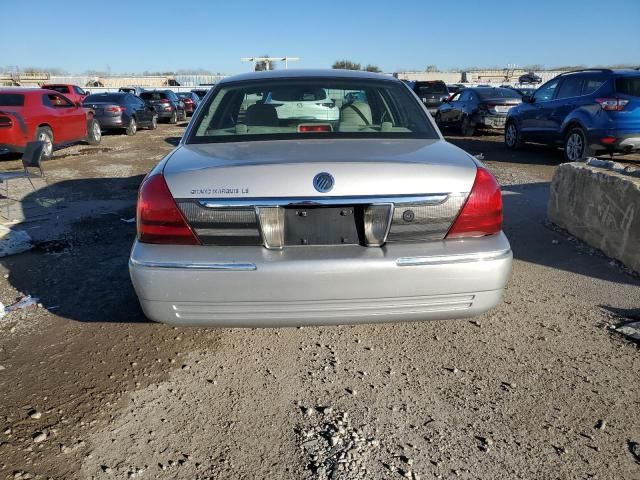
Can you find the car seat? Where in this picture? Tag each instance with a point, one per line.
(354, 115)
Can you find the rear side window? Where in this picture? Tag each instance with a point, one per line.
(592, 84)
(153, 95)
(570, 87)
(58, 88)
(498, 93)
(628, 86)
(11, 100)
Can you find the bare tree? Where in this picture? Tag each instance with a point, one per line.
(432, 68)
(345, 65)
(372, 68)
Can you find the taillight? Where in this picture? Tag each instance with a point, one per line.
(612, 104)
(5, 122)
(158, 218)
(187, 100)
(164, 100)
(482, 212)
(115, 109)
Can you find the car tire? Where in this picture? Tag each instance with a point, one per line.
(174, 117)
(154, 123)
(438, 119)
(512, 136)
(45, 134)
(184, 116)
(94, 132)
(575, 145)
(132, 128)
(467, 127)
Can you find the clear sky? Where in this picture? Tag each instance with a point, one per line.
(160, 35)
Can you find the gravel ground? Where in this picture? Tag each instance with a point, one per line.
(540, 387)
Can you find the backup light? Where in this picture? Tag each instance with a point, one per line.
(482, 212)
(272, 225)
(377, 219)
(158, 218)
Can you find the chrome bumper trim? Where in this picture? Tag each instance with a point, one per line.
(236, 267)
(448, 259)
(427, 199)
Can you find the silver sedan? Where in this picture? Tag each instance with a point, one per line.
(366, 215)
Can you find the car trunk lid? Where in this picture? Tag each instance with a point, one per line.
(268, 193)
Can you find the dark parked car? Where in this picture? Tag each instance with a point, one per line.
(432, 93)
(190, 100)
(585, 111)
(121, 111)
(167, 104)
(529, 78)
(474, 108)
(200, 92)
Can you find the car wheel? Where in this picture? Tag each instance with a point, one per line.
(438, 119)
(46, 135)
(512, 137)
(467, 127)
(575, 145)
(154, 123)
(132, 128)
(94, 133)
(174, 117)
(184, 116)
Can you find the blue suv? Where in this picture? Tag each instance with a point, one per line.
(586, 111)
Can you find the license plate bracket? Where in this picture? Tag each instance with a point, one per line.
(311, 225)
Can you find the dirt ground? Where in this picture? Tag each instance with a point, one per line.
(539, 388)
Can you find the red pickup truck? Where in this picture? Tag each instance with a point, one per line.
(72, 92)
(38, 114)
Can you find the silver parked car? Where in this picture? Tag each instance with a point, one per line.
(256, 220)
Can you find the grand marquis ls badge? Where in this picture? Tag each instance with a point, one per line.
(323, 182)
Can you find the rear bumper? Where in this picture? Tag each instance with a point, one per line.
(256, 287)
(493, 121)
(625, 142)
(107, 123)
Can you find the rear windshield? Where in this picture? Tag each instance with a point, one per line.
(103, 97)
(184, 94)
(437, 88)
(11, 100)
(57, 88)
(497, 93)
(153, 95)
(312, 108)
(628, 86)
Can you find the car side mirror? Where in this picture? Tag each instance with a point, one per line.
(446, 100)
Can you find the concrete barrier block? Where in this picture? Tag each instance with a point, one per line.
(600, 207)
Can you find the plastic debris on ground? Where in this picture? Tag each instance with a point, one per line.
(21, 304)
(13, 241)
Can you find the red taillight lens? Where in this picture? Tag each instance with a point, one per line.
(115, 109)
(187, 100)
(482, 212)
(164, 100)
(158, 217)
(5, 122)
(612, 104)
